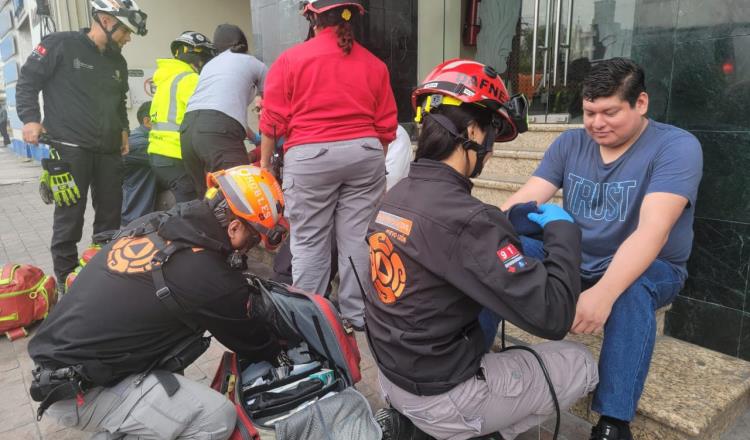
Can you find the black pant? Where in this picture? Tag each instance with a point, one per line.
(211, 141)
(138, 193)
(103, 172)
(4, 132)
(170, 174)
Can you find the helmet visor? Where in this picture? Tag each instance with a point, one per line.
(135, 20)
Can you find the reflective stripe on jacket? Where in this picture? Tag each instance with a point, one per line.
(175, 83)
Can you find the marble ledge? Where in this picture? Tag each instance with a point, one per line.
(691, 392)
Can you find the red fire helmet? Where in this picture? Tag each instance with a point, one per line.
(471, 82)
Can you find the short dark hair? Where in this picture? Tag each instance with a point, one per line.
(144, 111)
(436, 143)
(615, 76)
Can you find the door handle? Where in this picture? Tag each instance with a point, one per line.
(535, 33)
(548, 21)
(568, 38)
(555, 57)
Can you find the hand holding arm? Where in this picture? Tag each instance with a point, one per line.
(549, 213)
(535, 189)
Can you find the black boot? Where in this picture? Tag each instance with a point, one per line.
(605, 430)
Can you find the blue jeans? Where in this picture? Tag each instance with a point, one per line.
(488, 321)
(629, 335)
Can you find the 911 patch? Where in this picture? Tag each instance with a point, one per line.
(39, 52)
(512, 259)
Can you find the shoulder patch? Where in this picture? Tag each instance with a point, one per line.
(39, 52)
(398, 227)
(511, 258)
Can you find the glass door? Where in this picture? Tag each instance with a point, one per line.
(570, 37)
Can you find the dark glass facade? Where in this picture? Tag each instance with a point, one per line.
(696, 54)
(697, 59)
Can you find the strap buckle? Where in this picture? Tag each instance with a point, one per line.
(163, 292)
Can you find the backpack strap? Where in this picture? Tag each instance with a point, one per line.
(163, 292)
(164, 251)
(8, 273)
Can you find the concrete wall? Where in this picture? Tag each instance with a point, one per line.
(439, 33)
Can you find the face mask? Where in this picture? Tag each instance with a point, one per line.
(481, 149)
(484, 149)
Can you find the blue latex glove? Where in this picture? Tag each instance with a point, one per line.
(548, 213)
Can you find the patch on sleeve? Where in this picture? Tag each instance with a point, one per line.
(39, 51)
(511, 258)
(398, 227)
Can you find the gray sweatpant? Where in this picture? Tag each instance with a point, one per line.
(512, 398)
(145, 412)
(333, 188)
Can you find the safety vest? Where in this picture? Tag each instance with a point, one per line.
(175, 82)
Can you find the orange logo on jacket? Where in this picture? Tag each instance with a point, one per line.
(386, 268)
(131, 255)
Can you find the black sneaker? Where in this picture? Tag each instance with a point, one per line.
(608, 431)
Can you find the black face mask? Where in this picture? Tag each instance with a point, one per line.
(482, 149)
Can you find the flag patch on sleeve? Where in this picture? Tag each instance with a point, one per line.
(511, 258)
(39, 52)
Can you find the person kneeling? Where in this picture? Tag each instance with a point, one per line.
(446, 266)
(137, 313)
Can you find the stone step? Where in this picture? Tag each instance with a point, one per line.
(521, 156)
(495, 188)
(513, 162)
(539, 137)
(691, 392)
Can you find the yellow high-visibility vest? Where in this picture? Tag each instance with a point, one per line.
(175, 82)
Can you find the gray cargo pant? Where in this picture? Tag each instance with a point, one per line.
(333, 188)
(145, 412)
(512, 398)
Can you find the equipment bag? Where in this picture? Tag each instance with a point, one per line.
(26, 295)
(277, 402)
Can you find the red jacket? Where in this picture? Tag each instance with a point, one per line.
(314, 93)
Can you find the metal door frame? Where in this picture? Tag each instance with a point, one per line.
(552, 7)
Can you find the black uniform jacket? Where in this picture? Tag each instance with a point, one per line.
(84, 91)
(112, 322)
(438, 257)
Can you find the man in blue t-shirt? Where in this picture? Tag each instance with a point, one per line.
(631, 184)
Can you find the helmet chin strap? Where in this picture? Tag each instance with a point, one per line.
(111, 45)
(481, 149)
(485, 149)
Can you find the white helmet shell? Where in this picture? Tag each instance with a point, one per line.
(126, 12)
